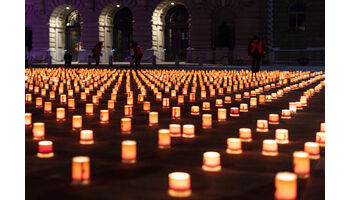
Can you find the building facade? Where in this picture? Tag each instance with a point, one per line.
(203, 31)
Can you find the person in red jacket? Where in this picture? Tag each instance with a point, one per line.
(96, 53)
(256, 50)
(138, 53)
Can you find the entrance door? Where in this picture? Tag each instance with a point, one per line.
(122, 34)
(176, 33)
(73, 34)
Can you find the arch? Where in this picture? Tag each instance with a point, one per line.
(158, 26)
(57, 27)
(106, 26)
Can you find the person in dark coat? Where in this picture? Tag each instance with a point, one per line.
(67, 59)
(256, 50)
(138, 53)
(96, 53)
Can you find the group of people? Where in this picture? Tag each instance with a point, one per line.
(256, 50)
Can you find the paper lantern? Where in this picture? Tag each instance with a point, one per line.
(125, 125)
(323, 127)
(95, 100)
(63, 99)
(28, 119)
(222, 114)
(71, 104)
(110, 104)
(203, 94)
(38, 130)
(83, 96)
(166, 102)
(188, 131)
(293, 107)
(175, 130)
(52, 95)
(179, 184)
(129, 151)
(128, 111)
(60, 114)
(218, 103)
(77, 122)
(86, 137)
(206, 106)
(245, 134)
(234, 112)
(45, 149)
(28, 98)
(176, 112)
(180, 99)
(81, 170)
(195, 110)
(253, 102)
(285, 186)
(104, 116)
(164, 139)
(301, 163)
(286, 114)
(313, 149)
(234, 146)
(262, 126)
(211, 161)
(270, 148)
(261, 99)
(321, 138)
(47, 107)
(153, 118)
(146, 106)
(227, 99)
(243, 107)
(238, 97)
(273, 119)
(39, 102)
(206, 120)
(281, 136)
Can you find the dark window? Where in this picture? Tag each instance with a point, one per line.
(297, 17)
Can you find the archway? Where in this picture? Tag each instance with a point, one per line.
(64, 32)
(171, 26)
(115, 31)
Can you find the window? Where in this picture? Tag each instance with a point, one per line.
(297, 17)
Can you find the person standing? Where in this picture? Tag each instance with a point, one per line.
(138, 53)
(96, 53)
(67, 59)
(256, 50)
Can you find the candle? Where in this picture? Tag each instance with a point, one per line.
(188, 131)
(206, 106)
(293, 107)
(146, 106)
(222, 114)
(28, 119)
(195, 110)
(234, 112)
(212, 93)
(81, 170)
(203, 94)
(153, 118)
(246, 95)
(175, 130)
(28, 98)
(253, 93)
(181, 99)
(82, 96)
(192, 97)
(86, 137)
(60, 114)
(89, 109)
(176, 112)
(211, 161)
(104, 116)
(70, 93)
(43, 92)
(125, 125)
(321, 138)
(166, 103)
(218, 103)
(39, 102)
(179, 184)
(281, 136)
(164, 139)
(301, 163)
(273, 119)
(110, 104)
(238, 97)
(45, 149)
(128, 111)
(173, 93)
(313, 149)
(38, 130)
(286, 114)
(129, 151)
(71, 103)
(77, 122)
(130, 100)
(140, 98)
(253, 102)
(234, 146)
(158, 96)
(261, 99)
(285, 186)
(63, 98)
(245, 134)
(47, 107)
(206, 120)
(323, 127)
(95, 99)
(262, 126)
(227, 99)
(270, 148)
(243, 107)
(52, 95)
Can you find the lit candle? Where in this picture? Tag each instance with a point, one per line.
(270, 148)
(63, 98)
(222, 114)
(286, 114)
(246, 95)
(45, 149)
(227, 99)
(28, 119)
(195, 110)
(110, 104)
(253, 93)
(39, 102)
(130, 100)
(81, 170)
(104, 116)
(285, 186)
(60, 114)
(323, 127)
(128, 111)
(180, 99)
(243, 107)
(192, 97)
(179, 184)
(129, 151)
(206, 106)
(77, 122)
(70, 93)
(146, 106)
(86, 137)
(71, 103)
(245, 134)
(211, 161)
(176, 112)
(153, 118)
(95, 99)
(125, 125)
(140, 98)
(238, 97)
(28, 98)
(293, 107)
(173, 93)
(175, 130)
(203, 94)
(89, 109)
(38, 130)
(159, 96)
(43, 92)
(52, 95)
(261, 99)
(301, 163)
(262, 126)
(82, 96)
(206, 120)
(212, 93)
(234, 146)
(234, 112)
(188, 131)
(47, 107)
(164, 139)
(218, 103)
(273, 119)
(166, 103)
(313, 149)
(253, 102)
(281, 136)
(321, 138)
